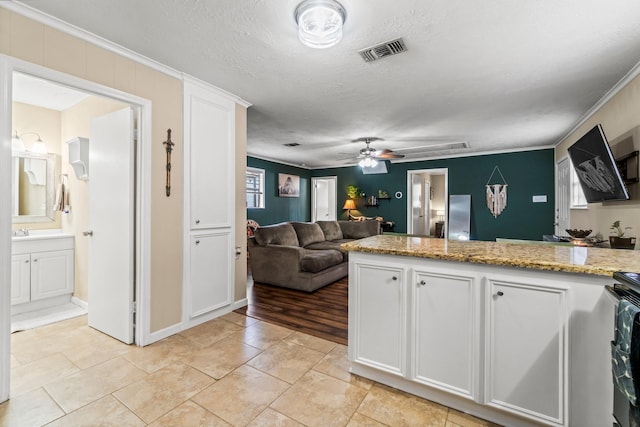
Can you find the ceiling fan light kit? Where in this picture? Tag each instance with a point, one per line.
(320, 22)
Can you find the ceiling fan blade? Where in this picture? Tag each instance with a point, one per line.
(390, 155)
(381, 152)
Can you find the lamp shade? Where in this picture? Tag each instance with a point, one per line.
(349, 204)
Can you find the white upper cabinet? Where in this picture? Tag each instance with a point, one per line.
(209, 140)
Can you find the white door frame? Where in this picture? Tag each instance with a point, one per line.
(313, 193)
(434, 171)
(8, 65)
(562, 198)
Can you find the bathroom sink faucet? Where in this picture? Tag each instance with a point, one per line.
(21, 232)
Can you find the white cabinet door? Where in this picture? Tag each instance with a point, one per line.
(210, 286)
(445, 337)
(526, 350)
(378, 304)
(51, 274)
(20, 278)
(209, 132)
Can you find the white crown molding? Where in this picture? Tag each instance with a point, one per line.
(198, 82)
(624, 81)
(268, 159)
(60, 25)
(420, 159)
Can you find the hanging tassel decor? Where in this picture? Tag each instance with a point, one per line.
(496, 194)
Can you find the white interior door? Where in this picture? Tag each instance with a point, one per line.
(417, 198)
(111, 222)
(323, 200)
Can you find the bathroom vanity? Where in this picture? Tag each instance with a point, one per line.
(41, 270)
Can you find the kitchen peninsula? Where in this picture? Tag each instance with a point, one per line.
(514, 333)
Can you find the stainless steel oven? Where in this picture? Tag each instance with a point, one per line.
(628, 288)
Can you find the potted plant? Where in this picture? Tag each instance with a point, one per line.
(354, 192)
(619, 241)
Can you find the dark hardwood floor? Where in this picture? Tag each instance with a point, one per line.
(322, 313)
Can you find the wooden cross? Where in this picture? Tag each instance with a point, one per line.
(168, 145)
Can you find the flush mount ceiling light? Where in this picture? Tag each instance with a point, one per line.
(367, 162)
(320, 22)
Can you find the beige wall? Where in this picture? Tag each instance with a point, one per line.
(241, 204)
(31, 41)
(619, 116)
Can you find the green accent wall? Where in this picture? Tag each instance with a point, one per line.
(280, 209)
(527, 173)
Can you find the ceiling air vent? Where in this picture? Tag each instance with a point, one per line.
(383, 49)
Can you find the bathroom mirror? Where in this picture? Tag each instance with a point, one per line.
(33, 181)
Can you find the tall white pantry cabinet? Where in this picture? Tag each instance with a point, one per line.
(209, 158)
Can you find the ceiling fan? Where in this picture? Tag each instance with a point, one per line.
(369, 156)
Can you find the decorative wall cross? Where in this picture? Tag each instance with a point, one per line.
(168, 145)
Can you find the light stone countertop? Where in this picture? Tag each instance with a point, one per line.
(571, 259)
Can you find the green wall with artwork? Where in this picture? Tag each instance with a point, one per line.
(527, 173)
(279, 209)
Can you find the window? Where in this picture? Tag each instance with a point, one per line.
(255, 188)
(578, 201)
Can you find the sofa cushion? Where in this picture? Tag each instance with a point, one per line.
(359, 229)
(277, 234)
(308, 233)
(335, 245)
(331, 230)
(315, 260)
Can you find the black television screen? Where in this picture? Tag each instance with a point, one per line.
(596, 168)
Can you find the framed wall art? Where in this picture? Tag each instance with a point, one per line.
(288, 185)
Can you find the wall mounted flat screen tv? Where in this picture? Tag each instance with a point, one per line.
(596, 168)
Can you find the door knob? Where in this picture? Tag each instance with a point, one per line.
(422, 283)
(500, 293)
(87, 233)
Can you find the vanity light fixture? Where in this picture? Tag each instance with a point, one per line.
(17, 144)
(320, 22)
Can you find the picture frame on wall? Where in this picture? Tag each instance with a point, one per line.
(288, 185)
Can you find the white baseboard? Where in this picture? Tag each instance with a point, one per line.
(239, 304)
(80, 303)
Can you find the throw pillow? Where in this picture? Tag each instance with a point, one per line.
(331, 230)
(308, 233)
(277, 234)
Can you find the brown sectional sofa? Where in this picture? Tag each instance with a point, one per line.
(304, 255)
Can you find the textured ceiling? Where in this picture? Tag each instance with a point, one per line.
(498, 74)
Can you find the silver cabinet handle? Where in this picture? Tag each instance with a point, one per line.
(422, 283)
(500, 293)
(197, 221)
(87, 233)
(394, 278)
(26, 261)
(197, 242)
(35, 260)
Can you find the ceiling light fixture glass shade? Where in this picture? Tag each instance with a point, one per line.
(17, 144)
(367, 162)
(320, 22)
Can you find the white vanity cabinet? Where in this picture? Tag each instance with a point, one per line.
(378, 317)
(526, 349)
(445, 321)
(42, 269)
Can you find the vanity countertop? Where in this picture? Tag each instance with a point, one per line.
(572, 259)
(45, 234)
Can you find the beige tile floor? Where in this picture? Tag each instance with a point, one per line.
(234, 371)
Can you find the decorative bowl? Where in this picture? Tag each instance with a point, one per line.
(578, 234)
